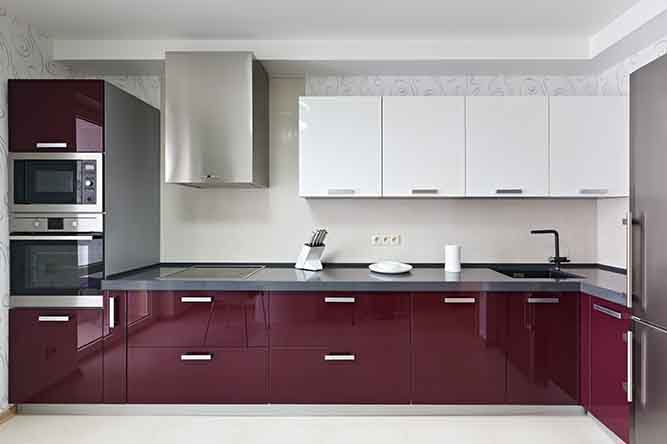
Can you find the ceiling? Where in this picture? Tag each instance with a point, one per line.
(315, 19)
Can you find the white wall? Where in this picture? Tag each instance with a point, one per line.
(271, 224)
(25, 53)
(611, 233)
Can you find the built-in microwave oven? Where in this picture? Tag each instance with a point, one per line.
(55, 182)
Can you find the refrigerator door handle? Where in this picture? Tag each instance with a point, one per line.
(628, 259)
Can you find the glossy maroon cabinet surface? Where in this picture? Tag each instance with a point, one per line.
(459, 348)
(163, 375)
(56, 356)
(190, 319)
(585, 351)
(376, 375)
(543, 348)
(609, 356)
(321, 319)
(69, 112)
(115, 347)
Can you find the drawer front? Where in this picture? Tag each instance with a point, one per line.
(186, 319)
(55, 356)
(459, 348)
(339, 319)
(379, 375)
(201, 376)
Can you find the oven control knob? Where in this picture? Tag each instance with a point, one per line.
(88, 183)
(35, 224)
(75, 224)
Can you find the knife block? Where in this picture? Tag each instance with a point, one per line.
(310, 258)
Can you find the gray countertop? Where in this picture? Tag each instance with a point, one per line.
(597, 282)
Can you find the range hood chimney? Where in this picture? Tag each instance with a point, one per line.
(216, 120)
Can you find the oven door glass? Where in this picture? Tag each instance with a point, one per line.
(45, 182)
(63, 265)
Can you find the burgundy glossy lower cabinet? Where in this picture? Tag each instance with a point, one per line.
(196, 376)
(197, 318)
(459, 348)
(355, 375)
(115, 347)
(56, 355)
(323, 319)
(610, 324)
(543, 348)
(585, 351)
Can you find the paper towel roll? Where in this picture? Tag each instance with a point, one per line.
(453, 258)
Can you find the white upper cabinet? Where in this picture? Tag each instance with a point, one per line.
(340, 146)
(589, 146)
(423, 146)
(507, 151)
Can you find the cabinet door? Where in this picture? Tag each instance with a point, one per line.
(507, 151)
(423, 146)
(196, 376)
(609, 404)
(543, 348)
(589, 146)
(459, 348)
(340, 147)
(115, 347)
(585, 351)
(355, 374)
(56, 115)
(55, 356)
(186, 319)
(340, 319)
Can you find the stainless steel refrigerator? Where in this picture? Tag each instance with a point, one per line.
(647, 237)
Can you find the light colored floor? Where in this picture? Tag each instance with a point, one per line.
(347, 430)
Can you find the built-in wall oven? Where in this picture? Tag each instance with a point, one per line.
(55, 182)
(56, 255)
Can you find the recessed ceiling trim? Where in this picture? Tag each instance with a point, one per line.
(625, 24)
(516, 48)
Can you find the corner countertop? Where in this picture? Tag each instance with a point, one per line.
(604, 284)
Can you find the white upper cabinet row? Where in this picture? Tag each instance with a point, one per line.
(463, 146)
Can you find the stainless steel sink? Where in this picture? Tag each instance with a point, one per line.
(517, 272)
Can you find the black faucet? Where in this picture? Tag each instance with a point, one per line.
(556, 259)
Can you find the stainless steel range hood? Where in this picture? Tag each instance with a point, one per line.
(216, 120)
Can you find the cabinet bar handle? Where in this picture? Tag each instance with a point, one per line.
(335, 357)
(339, 300)
(509, 191)
(52, 238)
(201, 357)
(425, 191)
(459, 300)
(42, 145)
(340, 191)
(543, 300)
(53, 318)
(593, 191)
(112, 313)
(608, 312)
(630, 383)
(197, 299)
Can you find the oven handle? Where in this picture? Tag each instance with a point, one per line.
(55, 238)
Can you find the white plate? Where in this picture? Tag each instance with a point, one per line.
(390, 267)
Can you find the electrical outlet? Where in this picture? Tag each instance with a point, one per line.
(385, 240)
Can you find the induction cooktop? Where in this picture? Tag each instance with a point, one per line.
(214, 273)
